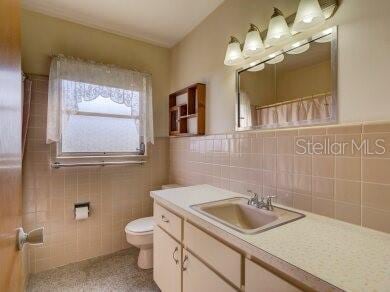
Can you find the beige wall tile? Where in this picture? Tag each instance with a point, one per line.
(348, 212)
(285, 163)
(376, 170)
(376, 127)
(312, 131)
(345, 129)
(376, 145)
(323, 187)
(348, 168)
(303, 164)
(376, 196)
(269, 162)
(302, 184)
(302, 202)
(348, 145)
(322, 145)
(269, 145)
(376, 219)
(285, 181)
(348, 191)
(285, 197)
(285, 144)
(323, 207)
(269, 178)
(323, 166)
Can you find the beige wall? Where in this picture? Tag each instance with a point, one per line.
(307, 81)
(363, 57)
(43, 36)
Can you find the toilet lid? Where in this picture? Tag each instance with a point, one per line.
(140, 225)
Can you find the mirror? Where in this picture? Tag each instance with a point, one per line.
(292, 87)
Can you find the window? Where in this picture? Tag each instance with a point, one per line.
(98, 110)
(101, 126)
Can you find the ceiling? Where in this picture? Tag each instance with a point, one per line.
(159, 22)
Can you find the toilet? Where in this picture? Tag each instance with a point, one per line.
(139, 233)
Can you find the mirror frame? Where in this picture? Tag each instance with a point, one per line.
(334, 78)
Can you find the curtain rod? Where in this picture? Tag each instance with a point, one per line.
(98, 63)
(102, 163)
(292, 101)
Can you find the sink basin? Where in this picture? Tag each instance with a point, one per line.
(237, 214)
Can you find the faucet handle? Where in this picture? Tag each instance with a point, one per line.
(252, 194)
(269, 198)
(254, 198)
(269, 202)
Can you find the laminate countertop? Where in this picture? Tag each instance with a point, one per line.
(322, 253)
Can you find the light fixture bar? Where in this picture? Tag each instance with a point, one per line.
(329, 7)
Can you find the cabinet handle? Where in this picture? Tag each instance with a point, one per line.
(173, 255)
(164, 219)
(185, 260)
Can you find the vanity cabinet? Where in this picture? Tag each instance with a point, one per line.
(198, 277)
(214, 253)
(258, 279)
(167, 254)
(168, 221)
(188, 259)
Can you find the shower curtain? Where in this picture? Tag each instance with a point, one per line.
(26, 97)
(300, 111)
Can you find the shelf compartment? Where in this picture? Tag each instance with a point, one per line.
(187, 111)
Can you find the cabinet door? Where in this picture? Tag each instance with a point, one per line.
(166, 261)
(198, 277)
(258, 279)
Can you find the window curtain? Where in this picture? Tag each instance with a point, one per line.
(72, 80)
(301, 111)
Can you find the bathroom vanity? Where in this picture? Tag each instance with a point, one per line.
(195, 252)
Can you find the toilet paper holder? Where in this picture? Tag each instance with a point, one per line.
(34, 237)
(81, 205)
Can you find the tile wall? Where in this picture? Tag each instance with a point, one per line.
(348, 183)
(117, 195)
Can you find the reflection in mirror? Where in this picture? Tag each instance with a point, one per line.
(292, 88)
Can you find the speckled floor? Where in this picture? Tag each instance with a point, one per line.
(116, 272)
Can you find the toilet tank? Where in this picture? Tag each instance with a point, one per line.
(171, 186)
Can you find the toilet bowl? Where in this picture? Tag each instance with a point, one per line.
(140, 234)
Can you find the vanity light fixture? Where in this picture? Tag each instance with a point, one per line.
(278, 30)
(257, 68)
(233, 55)
(298, 48)
(324, 36)
(309, 14)
(253, 42)
(275, 58)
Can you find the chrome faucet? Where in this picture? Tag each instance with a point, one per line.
(254, 200)
(261, 204)
(269, 205)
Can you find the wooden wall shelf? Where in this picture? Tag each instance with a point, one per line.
(187, 111)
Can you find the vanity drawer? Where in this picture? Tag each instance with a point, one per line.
(168, 221)
(216, 254)
(259, 279)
